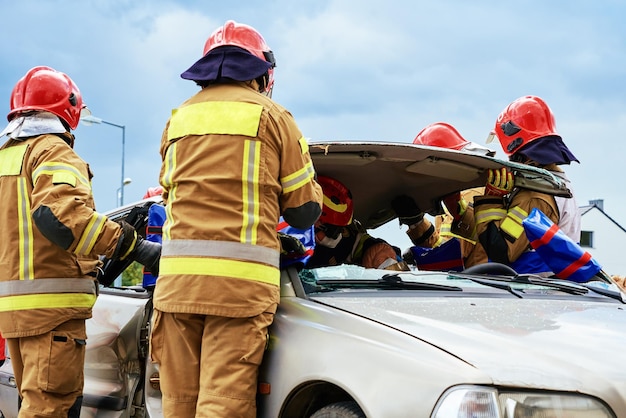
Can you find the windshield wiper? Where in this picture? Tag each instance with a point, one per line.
(562, 285)
(388, 281)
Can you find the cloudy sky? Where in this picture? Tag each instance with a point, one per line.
(347, 70)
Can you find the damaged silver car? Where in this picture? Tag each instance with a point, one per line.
(351, 342)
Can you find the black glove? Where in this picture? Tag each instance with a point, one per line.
(291, 245)
(133, 247)
(406, 209)
(147, 253)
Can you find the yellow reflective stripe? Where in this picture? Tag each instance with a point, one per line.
(518, 214)
(12, 160)
(304, 145)
(47, 301)
(219, 267)
(298, 179)
(52, 168)
(512, 227)
(47, 285)
(489, 215)
(225, 118)
(250, 191)
(219, 249)
(169, 165)
(90, 234)
(25, 231)
(64, 178)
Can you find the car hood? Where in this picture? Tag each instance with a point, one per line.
(529, 342)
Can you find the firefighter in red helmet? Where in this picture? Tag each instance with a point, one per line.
(458, 221)
(526, 130)
(341, 239)
(53, 238)
(235, 157)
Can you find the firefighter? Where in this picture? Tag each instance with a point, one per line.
(457, 223)
(526, 130)
(234, 161)
(341, 239)
(52, 240)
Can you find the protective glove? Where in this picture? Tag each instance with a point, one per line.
(620, 281)
(133, 247)
(456, 205)
(499, 182)
(290, 245)
(406, 209)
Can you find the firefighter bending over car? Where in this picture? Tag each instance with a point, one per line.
(52, 240)
(234, 161)
(341, 239)
(456, 224)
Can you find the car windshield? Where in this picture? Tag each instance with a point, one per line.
(345, 277)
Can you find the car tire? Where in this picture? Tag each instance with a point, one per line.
(340, 410)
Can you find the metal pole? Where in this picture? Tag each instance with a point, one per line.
(122, 179)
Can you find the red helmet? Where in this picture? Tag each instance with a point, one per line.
(245, 37)
(441, 135)
(43, 88)
(337, 209)
(523, 121)
(153, 191)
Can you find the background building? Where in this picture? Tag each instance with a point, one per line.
(603, 237)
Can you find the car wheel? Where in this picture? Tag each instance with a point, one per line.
(339, 410)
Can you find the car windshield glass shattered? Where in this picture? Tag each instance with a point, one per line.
(345, 276)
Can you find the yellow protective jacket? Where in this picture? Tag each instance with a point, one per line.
(499, 222)
(51, 235)
(233, 162)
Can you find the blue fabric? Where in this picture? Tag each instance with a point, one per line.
(548, 150)
(565, 258)
(306, 237)
(530, 262)
(156, 218)
(227, 62)
(445, 257)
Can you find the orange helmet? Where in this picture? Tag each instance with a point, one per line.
(43, 88)
(523, 121)
(337, 208)
(245, 37)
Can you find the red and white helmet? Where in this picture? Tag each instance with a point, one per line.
(245, 37)
(525, 120)
(153, 191)
(44, 88)
(337, 207)
(444, 135)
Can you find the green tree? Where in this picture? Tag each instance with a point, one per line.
(133, 275)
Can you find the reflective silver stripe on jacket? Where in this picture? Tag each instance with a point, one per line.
(41, 286)
(220, 249)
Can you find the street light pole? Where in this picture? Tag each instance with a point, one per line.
(88, 120)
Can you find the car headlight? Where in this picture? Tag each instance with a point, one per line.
(486, 402)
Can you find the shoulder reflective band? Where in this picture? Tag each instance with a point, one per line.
(52, 168)
(225, 118)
